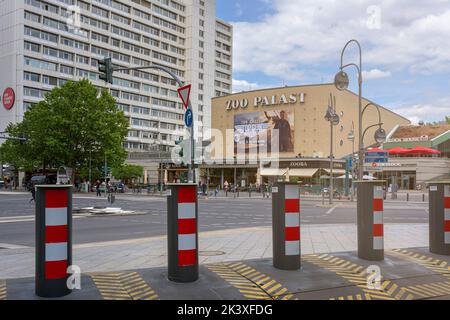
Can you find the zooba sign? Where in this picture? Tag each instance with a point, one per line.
(266, 101)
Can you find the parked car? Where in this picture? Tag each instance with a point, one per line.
(2, 184)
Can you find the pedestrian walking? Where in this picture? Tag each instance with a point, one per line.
(204, 188)
(32, 191)
(97, 189)
(216, 191)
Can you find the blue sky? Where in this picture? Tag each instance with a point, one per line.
(406, 51)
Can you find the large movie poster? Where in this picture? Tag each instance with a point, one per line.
(256, 129)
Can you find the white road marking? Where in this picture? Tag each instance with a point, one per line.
(12, 246)
(28, 219)
(331, 210)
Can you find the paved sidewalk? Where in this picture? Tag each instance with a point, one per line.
(217, 246)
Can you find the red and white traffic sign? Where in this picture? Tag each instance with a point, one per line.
(185, 94)
(9, 98)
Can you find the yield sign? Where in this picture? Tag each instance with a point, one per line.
(185, 94)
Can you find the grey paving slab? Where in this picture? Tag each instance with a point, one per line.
(311, 282)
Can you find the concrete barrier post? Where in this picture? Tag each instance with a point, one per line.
(440, 217)
(286, 226)
(182, 233)
(53, 240)
(370, 220)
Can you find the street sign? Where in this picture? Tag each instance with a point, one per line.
(376, 160)
(188, 118)
(374, 167)
(376, 157)
(185, 94)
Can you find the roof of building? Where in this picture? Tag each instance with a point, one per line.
(430, 131)
(305, 85)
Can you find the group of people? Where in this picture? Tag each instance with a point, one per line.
(264, 188)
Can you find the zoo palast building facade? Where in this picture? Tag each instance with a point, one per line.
(298, 112)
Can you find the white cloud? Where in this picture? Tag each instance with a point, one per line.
(375, 74)
(243, 85)
(426, 112)
(298, 38)
(239, 10)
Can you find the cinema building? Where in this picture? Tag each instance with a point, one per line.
(298, 112)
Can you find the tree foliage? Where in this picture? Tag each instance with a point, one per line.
(128, 172)
(73, 126)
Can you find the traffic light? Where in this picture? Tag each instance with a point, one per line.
(181, 154)
(105, 67)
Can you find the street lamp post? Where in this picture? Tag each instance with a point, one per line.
(342, 81)
(351, 138)
(380, 134)
(332, 117)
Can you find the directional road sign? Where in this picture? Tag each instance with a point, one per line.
(376, 157)
(188, 118)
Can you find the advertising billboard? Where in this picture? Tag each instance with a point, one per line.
(253, 130)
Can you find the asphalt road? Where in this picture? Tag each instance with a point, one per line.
(17, 222)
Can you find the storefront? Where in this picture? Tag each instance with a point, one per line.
(418, 154)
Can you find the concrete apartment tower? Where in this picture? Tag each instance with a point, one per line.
(45, 43)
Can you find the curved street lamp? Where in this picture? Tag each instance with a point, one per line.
(351, 137)
(333, 118)
(380, 134)
(342, 82)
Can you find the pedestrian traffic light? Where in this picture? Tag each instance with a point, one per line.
(106, 70)
(181, 154)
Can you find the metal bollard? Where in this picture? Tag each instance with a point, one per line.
(182, 233)
(370, 220)
(53, 240)
(286, 226)
(407, 197)
(440, 217)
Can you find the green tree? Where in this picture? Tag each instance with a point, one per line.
(74, 126)
(447, 120)
(128, 172)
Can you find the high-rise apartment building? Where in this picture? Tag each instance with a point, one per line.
(45, 43)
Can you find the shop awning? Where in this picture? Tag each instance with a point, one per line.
(423, 151)
(273, 172)
(398, 151)
(335, 171)
(303, 173)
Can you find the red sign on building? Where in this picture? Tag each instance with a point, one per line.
(9, 98)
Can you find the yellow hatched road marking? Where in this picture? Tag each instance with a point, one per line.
(430, 263)
(356, 274)
(3, 292)
(123, 286)
(431, 290)
(250, 282)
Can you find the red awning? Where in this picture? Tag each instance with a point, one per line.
(375, 150)
(423, 150)
(398, 151)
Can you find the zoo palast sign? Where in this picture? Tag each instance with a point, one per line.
(266, 101)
